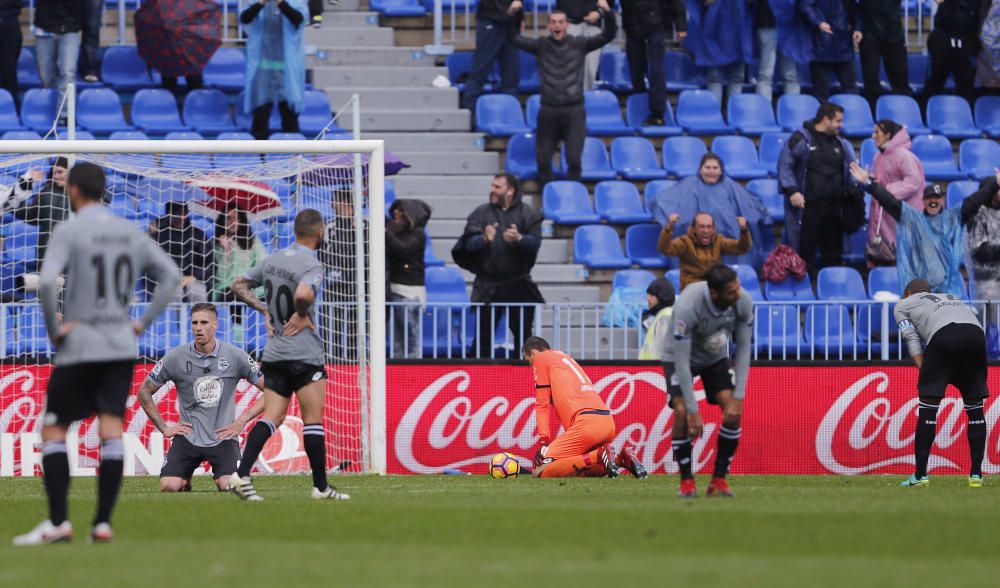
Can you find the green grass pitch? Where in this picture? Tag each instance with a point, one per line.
(474, 531)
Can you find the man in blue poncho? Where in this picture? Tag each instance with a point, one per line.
(720, 35)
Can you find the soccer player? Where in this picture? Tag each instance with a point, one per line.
(205, 374)
(955, 354)
(707, 315)
(583, 449)
(293, 358)
(101, 256)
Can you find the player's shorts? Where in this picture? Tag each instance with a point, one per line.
(286, 377)
(956, 355)
(184, 458)
(714, 378)
(78, 391)
(590, 430)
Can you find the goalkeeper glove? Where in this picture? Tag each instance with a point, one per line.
(540, 455)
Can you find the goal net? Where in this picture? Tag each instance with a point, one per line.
(217, 208)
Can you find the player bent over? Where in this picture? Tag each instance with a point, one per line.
(205, 374)
(583, 449)
(707, 315)
(293, 358)
(956, 355)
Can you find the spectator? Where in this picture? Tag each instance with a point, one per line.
(57, 44)
(50, 207)
(988, 64)
(813, 175)
(883, 42)
(89, 63)
(187, 246)
(584, 21)
(656, 319)
(561, 68)
(316, 13)
(275, 63)
(646, 24)
(951, 46)
(897, 169)
(339, 257)
(500, 244)
(702, 248)
(236, 250)
(492, 46)
(10, 50)
(14, 196)
(768, 40)
(982, 246)
(720, 35)
(405, 241)
(836, 30)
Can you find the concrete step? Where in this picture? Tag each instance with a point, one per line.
(609, 343)
(389, 98)
(452, 207)
(418, 185)
(563, 293)
(353, 76)
(450, 162)
(552, 250)
(444, 228)
(380, 56)
(440, 141)
(363, 36)
(344, 6)
(412, 120)
(546, 273)
(336, 19)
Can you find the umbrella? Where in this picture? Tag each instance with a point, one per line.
(257, 199)
(339, 167)
(178, 37)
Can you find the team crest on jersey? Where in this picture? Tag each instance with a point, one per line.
(680, 329)
(223, 364)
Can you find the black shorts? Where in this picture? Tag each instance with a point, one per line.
(285, 377)
(956, 355)
(184, 458)
(79, 391)
(715, 378)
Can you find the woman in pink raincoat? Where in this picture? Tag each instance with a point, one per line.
(897, 169)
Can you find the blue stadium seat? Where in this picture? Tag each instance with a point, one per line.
(958, 191)
(869, 324)
(32, 337)
(868, 151)
(904, 110)
(568, 203)
(184, 136)
(637, 111)
(530, 82)
(99, 110)
(840, 283)
(790, 290)
(855, 244)
(595, 162)
(749, 281)
(226, 70)
(430, 258)
(935, 153)
(619, 203)
(8, 326)
(632, 278)
(9, 121)
(640, 246)
(653, 188)
(460, 6)
(163, 333)
(520, 159)
(988, 115)
(857, 115)
(155, 112)
(207, 111)
(531, 107)
(604, 115)
(700, 114)
(767, 191)
(951, 116)
(27, 70)
(635, 159)
(830, 330)
(398, 7)
(795, 109)
(598, 247)
(680, 72)
(771, 145)
(751, 114)
(978, 157)
(286, 137)
(613, 72)
(21, 136)
(128, 136)
(254, 332)
(458, 63)
(124, 70)
(739, 156)
(682, 155)
(674, 276)
(883, 279)
(777, 332)
(20, 240)
(38, 109)
(444, 316)
(499, 115)
(244, 118)
(917, 69)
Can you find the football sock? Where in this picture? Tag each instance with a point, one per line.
(682, 455)
(315, 441)
(729, 440)
(109, 480)
(55, 471)
(589, 465)
(977, 436)
(926, 429)
(258, 436)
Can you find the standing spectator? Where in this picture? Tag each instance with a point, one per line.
(316, 13)
(275, 63)
(10, 49)
(813, 175)
(90, 43)
(492, 46)
(771, 55)
(836, 30)
(500, 244)
(584, 21)
(187, 246)
(646, 24)
(720, 35)
(897, 169)
(982, 246)
(883, 42)
(236, 250)
(951, 46)
(702, 248)
(405, 240)
(561, 68)
(50, 207)
(988, 64)
(57, 44)
(656, 319)
(338, 254)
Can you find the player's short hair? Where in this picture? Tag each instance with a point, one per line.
(719, 276)
(917, 286)
(89, 178)
(308, 222)
(205, 307)
(535, 344)
(827, 110)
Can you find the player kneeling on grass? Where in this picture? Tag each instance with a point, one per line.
(205, 374)
(956, 355)
(707, 315)
(583, 449)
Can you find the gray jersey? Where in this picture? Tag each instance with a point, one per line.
(206, 386)
(700, 334)
(922, 315)
(102, 257)
(280, 275)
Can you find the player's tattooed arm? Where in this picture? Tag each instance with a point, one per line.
(243, 290)
(149, 406)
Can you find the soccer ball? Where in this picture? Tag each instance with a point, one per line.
(504, 465)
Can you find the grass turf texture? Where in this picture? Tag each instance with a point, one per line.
(476, 531)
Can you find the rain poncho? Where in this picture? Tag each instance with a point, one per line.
(794, 33)
(276, 58)
(899, 170)
(988, 64)
(711, 35)
(930, 247)
(983, 253)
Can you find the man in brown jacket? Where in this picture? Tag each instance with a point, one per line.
(702, 247)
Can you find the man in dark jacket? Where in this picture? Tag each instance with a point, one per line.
(646, 24)
(561, 69)
(500, 244)
(584, 21)
(492, 46)
(405, 240)
(187, 246)
(57, 42)
(10, 44)
(951, 47)
(836, 29)
(339, 257)
(883, 42)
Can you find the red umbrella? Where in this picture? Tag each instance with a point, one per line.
(257, 199)
(178, 37)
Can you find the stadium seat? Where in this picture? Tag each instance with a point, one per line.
(33, 339)
(767, 191)
(951, 116)
(604, 115)
(840, 283)
(883, 279)
(855, 243)
(27, 70)
(598, 247)
(155, 112)
(637, 111)
(124, 70)
(904, 110)
(595, 162)
(777, 333)
(739, 156)
(184, 136)
(917, 69)
(430, 258)
(459, 6)
(499, 115)
(958, 191)
(287, 137)
(531, 107)
(640, 246)
(458, 63)
(789, 290)
(635, 159)
(244, 119)
(682, 155)
(128, 136)
(619, 203)
(21, 136)
(226, 70)
(749, 281)
(38, 109)
(869, 324)
(979, 157)
(398, 8)
(674, 276)
(520, 159)
(868, 151)
(988, 115)
(9, 121)
(530, 82)
(79, 135)
(698, 112)
(857, 115)
(830, 330)
(632, 278)
(935, 153)
(795, 109)
(613, 72)
(751, 114)
(445, 313)
(771, 145)
(568, 203)
(680, 72)
(207, 111)
(20, 240)
(653, 188)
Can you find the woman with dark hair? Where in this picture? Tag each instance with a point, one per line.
(899, 171)
(236, 250)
